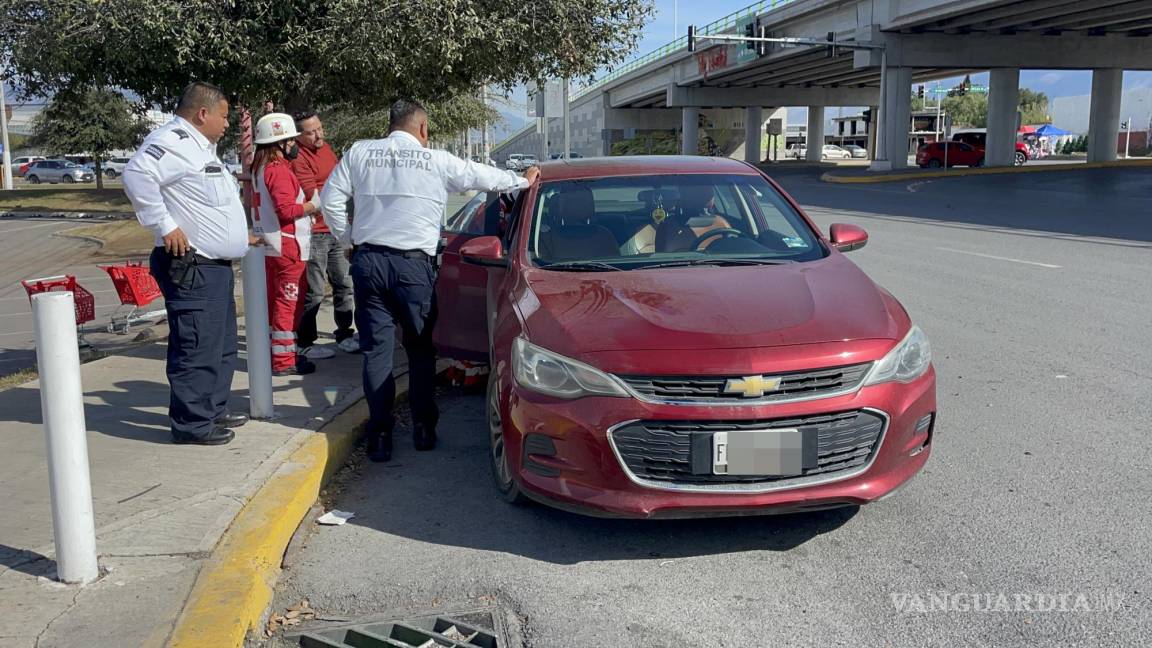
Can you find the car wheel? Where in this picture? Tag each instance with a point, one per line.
(69, 179)
(979, 163)
(935, 164)
(1020, 158)
(498, 451)
(33, 179)
(110, 174)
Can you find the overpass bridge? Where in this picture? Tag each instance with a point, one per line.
(917, 41)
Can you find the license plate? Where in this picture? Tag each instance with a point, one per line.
(769, 453)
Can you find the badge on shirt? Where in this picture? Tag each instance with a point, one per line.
(181, 133)
(154, 151)
(212, 168)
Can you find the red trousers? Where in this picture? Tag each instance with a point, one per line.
(287, 286)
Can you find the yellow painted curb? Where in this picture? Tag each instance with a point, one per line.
(235, 586)
(834, 178)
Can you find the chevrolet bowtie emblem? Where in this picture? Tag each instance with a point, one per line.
(751, 386)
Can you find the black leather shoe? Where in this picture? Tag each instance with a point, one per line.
(423, 437)
(231, 420)
(218, 436)
(303, 367)
(380, 448)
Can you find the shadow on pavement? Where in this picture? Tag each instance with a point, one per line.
(1108, 203)
(446, 497)
(26, 561)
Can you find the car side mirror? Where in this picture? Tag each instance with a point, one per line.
(847, 237)
(484, 251)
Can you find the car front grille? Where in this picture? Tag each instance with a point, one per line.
(663, 452)
(712, 389)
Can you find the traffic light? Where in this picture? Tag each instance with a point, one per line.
(967, 83)
(920, 92)
(830, 52)
(691, 38)
(867, 115)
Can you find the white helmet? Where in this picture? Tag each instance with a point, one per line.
(275, 127)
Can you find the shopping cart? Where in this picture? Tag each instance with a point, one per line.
(85, 302)
(136, 288)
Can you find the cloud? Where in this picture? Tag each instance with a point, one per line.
(1051, 77)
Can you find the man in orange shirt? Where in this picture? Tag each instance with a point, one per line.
(328, 264)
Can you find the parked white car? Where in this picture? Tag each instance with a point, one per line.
(20, 162)
(513, 163)
(833, 152)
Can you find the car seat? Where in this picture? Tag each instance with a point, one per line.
(568, 232)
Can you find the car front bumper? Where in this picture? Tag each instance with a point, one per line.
(563, 453)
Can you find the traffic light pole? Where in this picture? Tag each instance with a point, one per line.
(6, 159)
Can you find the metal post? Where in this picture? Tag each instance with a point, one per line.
(1127, 136)
(485, 145)
(62, 405)
(6, 159)
(257, 334)
(881, 145)
(567, 123)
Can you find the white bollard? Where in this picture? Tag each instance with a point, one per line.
(62, 404)
(257, 334)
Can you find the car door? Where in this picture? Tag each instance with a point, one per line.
(461, 288)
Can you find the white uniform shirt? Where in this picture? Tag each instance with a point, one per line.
(400, 190)
(176, 180)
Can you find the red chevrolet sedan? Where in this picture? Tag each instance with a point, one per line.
(673, 337)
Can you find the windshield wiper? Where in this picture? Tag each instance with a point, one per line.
(717, 262)
(581, 266)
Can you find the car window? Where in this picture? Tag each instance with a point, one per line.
(458, 221)
(638, 221)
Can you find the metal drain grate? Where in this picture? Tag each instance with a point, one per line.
(426, 632)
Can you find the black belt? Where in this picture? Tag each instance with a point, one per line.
(201, 259)
(407, 254)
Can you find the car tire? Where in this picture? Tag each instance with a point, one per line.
(69, 179)
(110, 174)
(979, 163)
(934, 164)
(1020, 158)
(33, 179)
(497, 452)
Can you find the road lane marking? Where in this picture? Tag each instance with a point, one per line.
(1000, 258)
(28, 227)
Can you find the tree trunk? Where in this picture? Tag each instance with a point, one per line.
(99, 172)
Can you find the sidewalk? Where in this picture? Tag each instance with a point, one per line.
(160, 508)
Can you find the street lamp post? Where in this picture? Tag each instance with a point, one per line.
(6, 159)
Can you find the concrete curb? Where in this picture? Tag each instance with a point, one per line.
(69, 215)
(235, 586)
(835, 178)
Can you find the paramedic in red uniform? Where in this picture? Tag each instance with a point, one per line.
(284, 220)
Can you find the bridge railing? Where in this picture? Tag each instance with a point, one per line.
(718, 26)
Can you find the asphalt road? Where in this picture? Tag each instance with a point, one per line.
(28, 250)
(1035, 293)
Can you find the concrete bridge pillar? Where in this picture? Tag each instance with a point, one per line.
(896, 119)
(814, 140)
(1104, 118)
(690, 130)
(753, 131)
(1003, 107)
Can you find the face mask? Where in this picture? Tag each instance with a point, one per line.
(291, 153)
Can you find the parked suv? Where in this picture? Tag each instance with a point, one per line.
(114, 167)
(979, 139)
(53, 171)
(514, 162)
(20, 165)
(935, 155)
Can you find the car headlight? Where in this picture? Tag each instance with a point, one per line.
(548, 373)
(906, 362)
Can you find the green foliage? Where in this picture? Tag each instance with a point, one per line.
(318, 52)
(971, 110)
(92, 121)
(1033, 107)
(345, 124)
(652, 143)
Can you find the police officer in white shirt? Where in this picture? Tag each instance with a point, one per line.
(183, 193)
(399, 187)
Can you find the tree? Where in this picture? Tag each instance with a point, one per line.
(323, 53)
(1033, 107)
(969, 110)
(93, 121)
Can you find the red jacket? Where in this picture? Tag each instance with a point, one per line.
(280, 212)
(312, 168)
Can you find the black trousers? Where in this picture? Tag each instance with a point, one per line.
(393, 290)
(201, 340)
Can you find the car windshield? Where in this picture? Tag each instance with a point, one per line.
(630, 223)
(71, 165)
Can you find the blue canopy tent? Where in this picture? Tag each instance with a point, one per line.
(1048, 130)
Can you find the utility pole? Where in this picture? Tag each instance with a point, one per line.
(6, 159)
(485, 145)
(567, 123)
(1127, 136)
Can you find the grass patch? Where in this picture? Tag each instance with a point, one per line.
(18, 378)
(123, 238)
(65, 198)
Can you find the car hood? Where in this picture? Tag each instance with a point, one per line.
(705, 307)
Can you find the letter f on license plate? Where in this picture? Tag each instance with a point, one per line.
(769, 453)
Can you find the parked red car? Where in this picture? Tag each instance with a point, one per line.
(978, 139)
(672, 337)
(933, 155)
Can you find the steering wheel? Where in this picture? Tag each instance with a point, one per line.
(722, 232)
